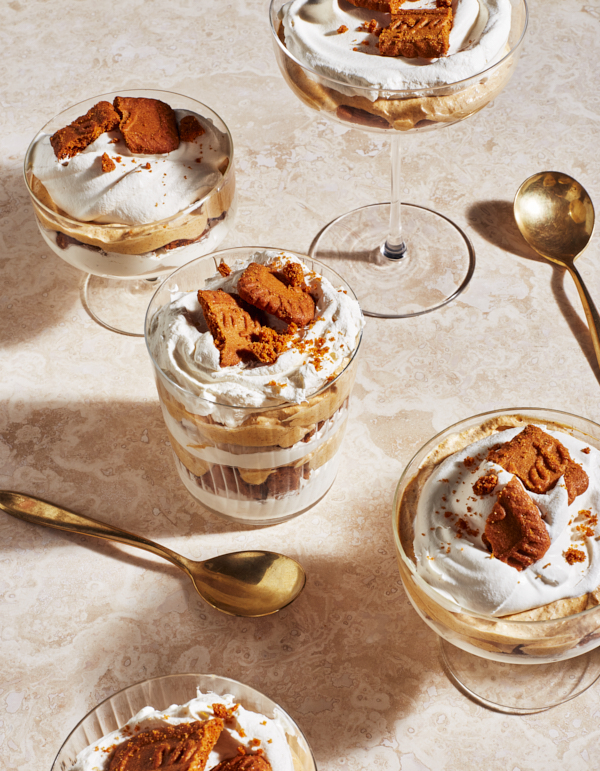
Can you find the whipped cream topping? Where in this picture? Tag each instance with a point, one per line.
(142, 188)
(238, 732)
(478, 38)
(189, 357)
(454, 560)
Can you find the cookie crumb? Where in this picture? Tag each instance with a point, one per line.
(190, 129)
(107, 163)
(573, 555)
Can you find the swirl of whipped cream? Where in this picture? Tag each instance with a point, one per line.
(142, 188)
(455, 560)
(238, 732)
(189, 357)
(478, 39)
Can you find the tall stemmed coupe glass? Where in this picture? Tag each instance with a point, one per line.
(403, 259)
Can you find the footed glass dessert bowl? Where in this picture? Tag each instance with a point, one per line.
(518, 615)
(83, 747)
(128, 207)
(255, 403)
(403, 259)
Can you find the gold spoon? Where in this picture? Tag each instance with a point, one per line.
(556, 217)
(243, 583)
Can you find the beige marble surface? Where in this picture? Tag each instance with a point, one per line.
(80, 422)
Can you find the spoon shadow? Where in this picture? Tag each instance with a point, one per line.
(495, 222)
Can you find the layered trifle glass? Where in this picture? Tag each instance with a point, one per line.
(496, 528)
(128, 186)
(254, 402)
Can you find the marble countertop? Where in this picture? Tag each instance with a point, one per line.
(80, 422)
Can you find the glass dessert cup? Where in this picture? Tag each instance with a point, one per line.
(257, 466)
(162, 692)
(512, 666)
(124, 262)
(403, 259)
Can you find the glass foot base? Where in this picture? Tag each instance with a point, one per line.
(438, 265)
(519, 689)
(119, 304)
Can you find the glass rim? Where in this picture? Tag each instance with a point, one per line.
(391, 93)
(177, 676)
(120, 225)
(444, 601)
(249, 410)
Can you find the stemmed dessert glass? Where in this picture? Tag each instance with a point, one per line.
(124, 263)
(402, 259)
(521, 664)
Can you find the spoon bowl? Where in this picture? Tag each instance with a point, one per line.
(556, 217)
(244, 583)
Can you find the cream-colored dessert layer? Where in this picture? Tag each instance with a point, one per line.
(252, 457)
(284, 426)
(184, 351)
(256, 475)
(459, 565)
(328, 36)
(449, 105)
(134, 239)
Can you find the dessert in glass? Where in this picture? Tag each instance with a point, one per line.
(127, 187)
(191, 712)
(394, 67)
(498, 545)
(255, 354)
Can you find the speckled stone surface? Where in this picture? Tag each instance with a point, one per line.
(80, 422)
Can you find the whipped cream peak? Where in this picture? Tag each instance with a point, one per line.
(478, 39)
(452, 557)
(141, 189)
(183, 348)
(246, 729)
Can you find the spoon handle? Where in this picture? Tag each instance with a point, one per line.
(591, 312)
(39, 512)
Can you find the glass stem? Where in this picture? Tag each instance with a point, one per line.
(394, 247)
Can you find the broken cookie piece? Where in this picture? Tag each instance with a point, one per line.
(231, 326)
(190, 128)
(485, 484)
(75, 137)
(259, 287)
(515, 532)
(361, 117)
(270, 345)
(372, 5)
(148, 125)
(244, 763)
(539, 461)
(183, 747)
(421, 32)
(293, 274)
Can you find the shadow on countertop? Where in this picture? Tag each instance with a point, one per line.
(39, 290)
(348, 659)
(494, 221)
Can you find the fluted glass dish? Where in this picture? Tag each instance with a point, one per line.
(162, 692)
